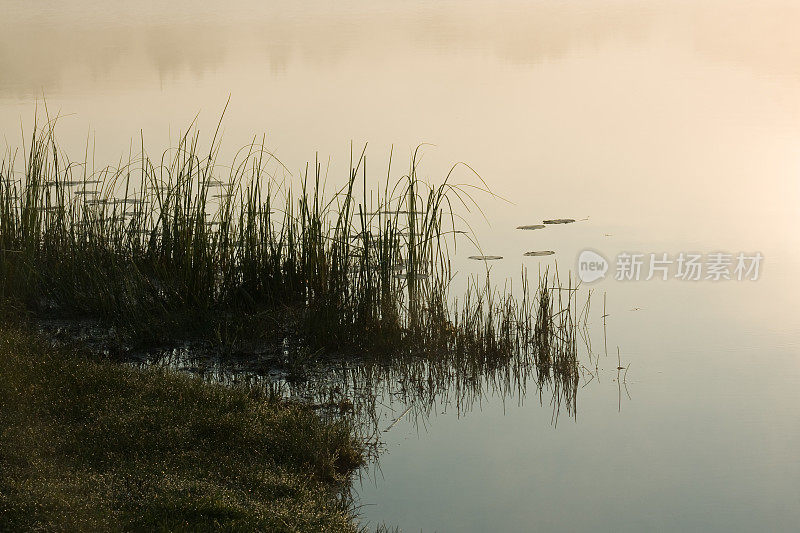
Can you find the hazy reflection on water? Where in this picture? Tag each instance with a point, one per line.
(673, 126)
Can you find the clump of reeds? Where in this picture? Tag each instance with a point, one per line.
(490, 344)
(170, 249)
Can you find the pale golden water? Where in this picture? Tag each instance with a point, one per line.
(674, 127)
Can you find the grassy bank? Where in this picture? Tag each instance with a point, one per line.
(179, 248)
(87, 445)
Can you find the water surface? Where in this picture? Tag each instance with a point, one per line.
(658, 126)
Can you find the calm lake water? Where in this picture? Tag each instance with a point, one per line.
(668, 126)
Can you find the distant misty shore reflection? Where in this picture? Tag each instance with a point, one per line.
(52, 50)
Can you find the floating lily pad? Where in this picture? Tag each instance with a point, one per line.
(539, 253)
(485, 257)
(129, 201)
(391, 212)
(559, 221)
(532, 226)
(72, 183)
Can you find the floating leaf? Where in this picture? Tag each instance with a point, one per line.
(485, 257)
(129, 201)
(391, 212)
(539, 253)
(72, 183)
(559, 221)
(532, 226)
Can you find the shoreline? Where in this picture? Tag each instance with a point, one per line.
(89, 444)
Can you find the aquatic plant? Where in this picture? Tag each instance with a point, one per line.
(176, 248)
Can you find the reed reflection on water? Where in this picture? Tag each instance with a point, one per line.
(378, 391)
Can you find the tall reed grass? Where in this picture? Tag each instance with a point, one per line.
(175, 248)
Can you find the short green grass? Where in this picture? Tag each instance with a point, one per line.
(88, 445)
